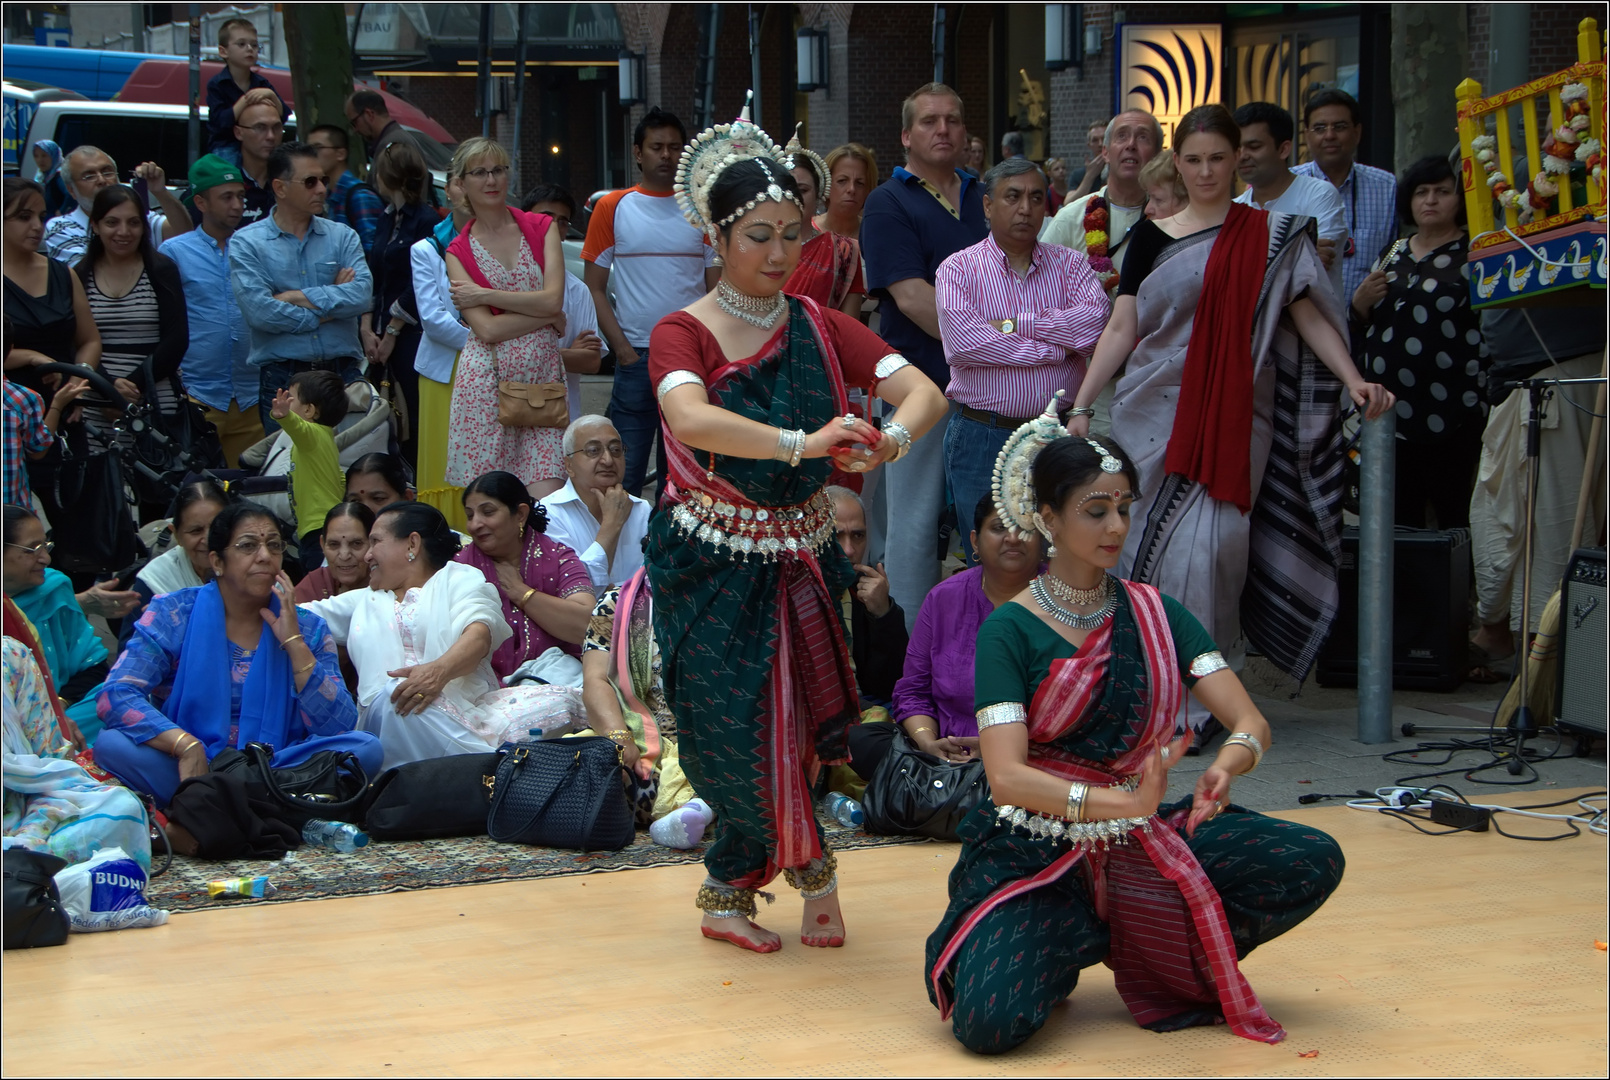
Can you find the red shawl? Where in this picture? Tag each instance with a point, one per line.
(535, 228)
(1212, 438)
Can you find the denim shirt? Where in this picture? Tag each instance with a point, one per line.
(215, 366)
(265, 259)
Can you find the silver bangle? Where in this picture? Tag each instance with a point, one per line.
(674, 379)
(1005, 712)
(799, 448)
(1078, 791)
(1082, 410)
(1251, 742)
(889, 365)
(900, 434)
(785, 445)
(1206, 664)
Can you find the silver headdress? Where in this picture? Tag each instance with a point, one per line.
(1013, 483)
(797, 157)
(710, 152)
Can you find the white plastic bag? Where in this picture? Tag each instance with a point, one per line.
(107, 893)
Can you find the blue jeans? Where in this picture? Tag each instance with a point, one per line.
(914, 490)
(971, 448)
(147, 769)
(636, 415)
(277, 374)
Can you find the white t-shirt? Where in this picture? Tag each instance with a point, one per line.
(1319, 200)
(580, 316)
(656, 259)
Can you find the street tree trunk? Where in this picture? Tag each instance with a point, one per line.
(1430, 55)
(321, 69)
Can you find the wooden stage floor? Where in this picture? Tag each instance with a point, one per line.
(1460, 955)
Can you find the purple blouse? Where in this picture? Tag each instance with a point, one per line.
(938, 678)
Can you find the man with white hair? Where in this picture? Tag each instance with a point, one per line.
(593, 513)
(87, 170)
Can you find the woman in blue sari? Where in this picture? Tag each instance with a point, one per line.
(237, 639)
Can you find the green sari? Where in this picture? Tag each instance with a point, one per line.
(744, 569)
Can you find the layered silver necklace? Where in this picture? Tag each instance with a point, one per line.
(761, 311)
(1054, 595)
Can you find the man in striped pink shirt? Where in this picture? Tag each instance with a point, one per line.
(1018, 320)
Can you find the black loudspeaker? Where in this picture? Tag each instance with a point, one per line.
(1579, 699)
(1430, 611)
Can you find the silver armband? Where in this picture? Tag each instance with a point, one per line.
(900, 434)
(890, 364)
(790, 446)
(1206, 664)
(1005, 712)
(1242, 738)
(673, 380)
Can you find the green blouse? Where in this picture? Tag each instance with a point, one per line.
(1016, 649)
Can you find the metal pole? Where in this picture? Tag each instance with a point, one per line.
(754, 64)
(518, 187)
(195, 83)
(1377, 450)
(483, 72)
(939, 43)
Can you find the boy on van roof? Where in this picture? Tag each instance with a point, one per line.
(236, 88)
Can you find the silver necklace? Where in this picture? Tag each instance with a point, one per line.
(1077, 597)
(761, 311)
(1054, 608)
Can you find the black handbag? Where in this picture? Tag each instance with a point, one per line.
(34, 915)
(427, 800)
(330, 784)
(918, 794)
(564, 793)
(85, 488)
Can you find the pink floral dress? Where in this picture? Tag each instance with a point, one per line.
(476, 443)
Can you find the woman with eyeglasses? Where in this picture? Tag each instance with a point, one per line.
(517, 260)
(225, 664)
(73, 652)
(547, 595)
(391, 333)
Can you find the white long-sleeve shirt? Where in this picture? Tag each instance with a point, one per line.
(572, 524)
(442, 334)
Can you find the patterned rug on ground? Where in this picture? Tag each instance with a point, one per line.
(401, 866)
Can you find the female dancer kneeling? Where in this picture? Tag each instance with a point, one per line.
(1078, 685)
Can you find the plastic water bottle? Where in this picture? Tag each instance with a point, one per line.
(842, 809)
(335, 835)
(257, 887)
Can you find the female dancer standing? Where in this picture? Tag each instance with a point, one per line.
(1235, 428)
(742, 562)
(1078, 682)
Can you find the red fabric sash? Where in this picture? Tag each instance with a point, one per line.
(535, 228)
(1212, 438)
(1171, 945)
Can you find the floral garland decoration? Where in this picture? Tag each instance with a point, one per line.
(1095, 224)
(1563, 144)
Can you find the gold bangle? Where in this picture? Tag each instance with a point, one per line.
(182, 748)
(619, 734)
(529, 593)
(311, 664)
(913, 731)
(294, 637)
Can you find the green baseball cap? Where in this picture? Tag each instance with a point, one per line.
(210, 170)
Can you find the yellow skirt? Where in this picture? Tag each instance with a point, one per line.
(435, 409)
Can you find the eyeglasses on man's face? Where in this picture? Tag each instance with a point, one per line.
(89, 176)
(37, 550)
(311, 182)
(1341, 127)
(593, 451)
(266, 129)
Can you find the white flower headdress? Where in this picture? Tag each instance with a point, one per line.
(1013, 481)
(797, 157)
(708, 155)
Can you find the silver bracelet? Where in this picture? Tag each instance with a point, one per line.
(1206, 664)
(675, 379)
(1078, 791)
(1251, 742)
(1081, 410)
(900, 434)
(790, 446)
(1005, 712)
(889, 365)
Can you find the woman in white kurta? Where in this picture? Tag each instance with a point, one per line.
(422, 637)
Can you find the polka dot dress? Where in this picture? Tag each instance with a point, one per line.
(1424, 343)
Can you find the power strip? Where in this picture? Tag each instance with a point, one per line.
(1458, 815)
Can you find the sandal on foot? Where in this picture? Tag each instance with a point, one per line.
(1482, 667)
(741, 941)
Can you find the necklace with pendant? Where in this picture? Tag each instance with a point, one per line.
(761, 311)
(1052, 594)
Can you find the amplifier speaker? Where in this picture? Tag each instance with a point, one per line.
(1430, 611)
(1580, 693)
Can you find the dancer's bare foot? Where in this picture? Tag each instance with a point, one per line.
(823, 924)
(742, 932)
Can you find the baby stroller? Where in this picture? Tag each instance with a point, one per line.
(86, 488)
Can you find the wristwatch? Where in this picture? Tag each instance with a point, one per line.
(1008, 325)
(393, 330)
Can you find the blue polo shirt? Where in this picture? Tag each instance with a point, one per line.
(907, 230)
